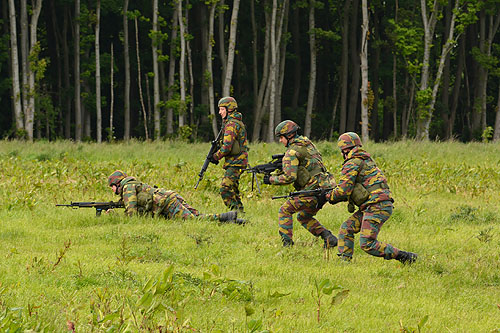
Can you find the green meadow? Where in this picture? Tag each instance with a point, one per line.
(64, 269)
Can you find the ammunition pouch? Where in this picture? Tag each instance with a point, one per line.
(145, 201)
(235, 149)
(359, 195)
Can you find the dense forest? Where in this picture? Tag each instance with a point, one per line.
(106, 70)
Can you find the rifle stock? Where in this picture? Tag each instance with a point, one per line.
(99, 206)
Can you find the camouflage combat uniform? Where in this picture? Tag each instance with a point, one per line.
(141, 198)
(234, 147)
(360, 168)
(303, 167)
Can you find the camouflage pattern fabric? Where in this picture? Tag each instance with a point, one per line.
(233, 131)
(141, 198)
(370, 176)
(291, 162)
(305, 207)
(368, 222)
(229, 189)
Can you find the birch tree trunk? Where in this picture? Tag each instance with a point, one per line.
(156, 82)
(424, 120)
(210, 74)
(139, 80)
(222, 48)
(126, 60)
(365, 103)
(312, 74)
(272, 74)
(98, 74)
(29, 112)
(344, 67)
(76, 73)
(182, 66)
(281, 73)
(429, 24)
(231, 49)
(16, 90)
(67, 83)
(171, 70)
(190, 70)
(24, 54)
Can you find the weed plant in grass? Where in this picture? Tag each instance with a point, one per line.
(62, 268)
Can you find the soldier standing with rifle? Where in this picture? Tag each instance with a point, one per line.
(363, 184)
(234, 148)
(303, 167)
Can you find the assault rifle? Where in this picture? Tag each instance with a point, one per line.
(213, 149)
(275, 164)
(99, 206)
(319, 193)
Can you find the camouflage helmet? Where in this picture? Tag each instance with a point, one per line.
(286, 127)
(229, 103)
(348, 140)
(116, 177)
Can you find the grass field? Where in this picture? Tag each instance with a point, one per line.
(62, 268)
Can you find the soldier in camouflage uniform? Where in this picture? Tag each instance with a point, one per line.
(363, 184)
(140, 198)
(303, 167)
(234, 148)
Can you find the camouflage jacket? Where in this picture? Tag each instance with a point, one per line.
(359, 167)
(303, 166)
(141, 198)
(234, 139)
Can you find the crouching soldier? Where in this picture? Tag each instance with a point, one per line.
(303, 167)
(363, 184)
(140, 198)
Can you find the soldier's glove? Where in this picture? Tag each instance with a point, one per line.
(322, 199)
(213, 160)
(266, 179)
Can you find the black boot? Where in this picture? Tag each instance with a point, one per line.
(287, 242)
(329, 238)
(406, 257)
(228, 217)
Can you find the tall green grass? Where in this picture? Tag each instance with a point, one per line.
(62, 268)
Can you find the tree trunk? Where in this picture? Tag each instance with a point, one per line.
(312, 74)
(112, 96)
(231, 49)
(98, 74)
(24, 54)
(344, 67)
(272, 74)
(76, 55)
(190, 71)
(222, 48)
(426, 120)
(422, 107)
(255, 67)
(171, 71)
(67, 84)
(16, 90)
(355, 61)
(456, 89)
(365, 103)
(156, 82)
(281, 72)
(126, 59)
(139, 80)
(210, 77)
(182, 66)
(297, 58)
(29, 112)
(496, 134)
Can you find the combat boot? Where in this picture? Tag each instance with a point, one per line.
(228, 217)
(287, 242)
(329, 239)
(406, 257)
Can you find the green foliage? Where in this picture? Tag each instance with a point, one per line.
(64, 268)
(487, 134)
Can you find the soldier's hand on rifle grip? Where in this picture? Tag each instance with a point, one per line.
(266, 179)
(213, 160)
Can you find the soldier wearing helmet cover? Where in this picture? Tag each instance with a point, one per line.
(140, 198)
(303, 167)
(234, 148)
(363, 184)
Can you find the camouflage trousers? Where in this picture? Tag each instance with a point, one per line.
(229, 188)
(171, 205)
(368, 221)
(305, 207)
